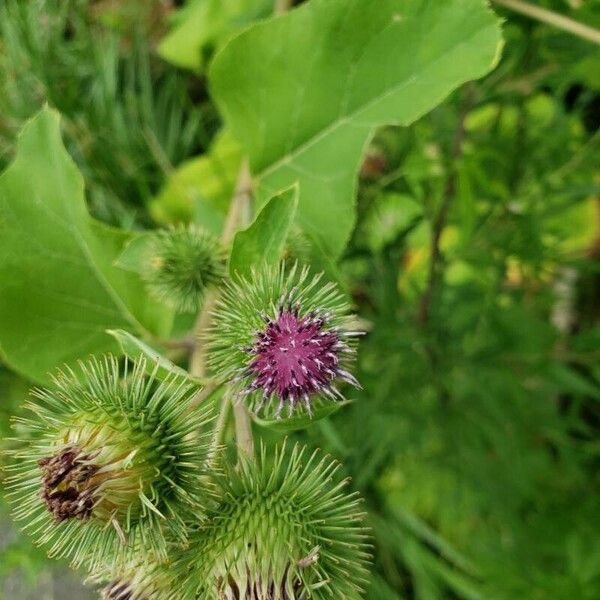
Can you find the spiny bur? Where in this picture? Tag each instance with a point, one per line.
(183, 263)
(110, 459)
(285, 529)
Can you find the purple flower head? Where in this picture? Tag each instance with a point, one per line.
(283, 337)
(295, 357)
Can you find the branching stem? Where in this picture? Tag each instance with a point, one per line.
(240, 215)
(552, 18)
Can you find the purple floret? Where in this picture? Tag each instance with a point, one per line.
(296, 357)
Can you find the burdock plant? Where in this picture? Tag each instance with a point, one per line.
(110, 459)
(121, 468)
(119, 465)
(283, 337)
(117, 469)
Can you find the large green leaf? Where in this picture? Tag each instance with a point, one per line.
(136, 254)
(264, 241)
(59, 289)
(203, 24)
(200, 189)
(305, 91)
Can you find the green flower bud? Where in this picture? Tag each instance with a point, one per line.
(284, 339)
(110, 461)
(283, 531)
(184, 262)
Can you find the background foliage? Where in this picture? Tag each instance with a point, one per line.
(475, 440)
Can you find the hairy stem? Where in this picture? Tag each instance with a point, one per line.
(240, 213)
(552, 18)
(442, 216)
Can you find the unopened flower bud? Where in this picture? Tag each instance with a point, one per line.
(283, 531)
(183, 263)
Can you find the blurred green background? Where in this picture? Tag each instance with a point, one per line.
(475, 440)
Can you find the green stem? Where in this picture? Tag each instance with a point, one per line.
(552, 18)
(198, 357)
(240, 214)
(243, 429)
(242, 208)
(220, 426)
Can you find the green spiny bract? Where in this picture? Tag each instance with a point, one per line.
(110, 460)
(285, 530)
(282, 338)
(183, 263)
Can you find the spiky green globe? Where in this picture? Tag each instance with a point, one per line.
(285, 529)
(183, 263)
(283, 339)
(110, 459)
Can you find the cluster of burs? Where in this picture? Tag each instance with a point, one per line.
(118, 466)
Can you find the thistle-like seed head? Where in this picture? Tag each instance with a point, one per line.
(284, 530)
(283, 338)
(183, 263)
(110, 460)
